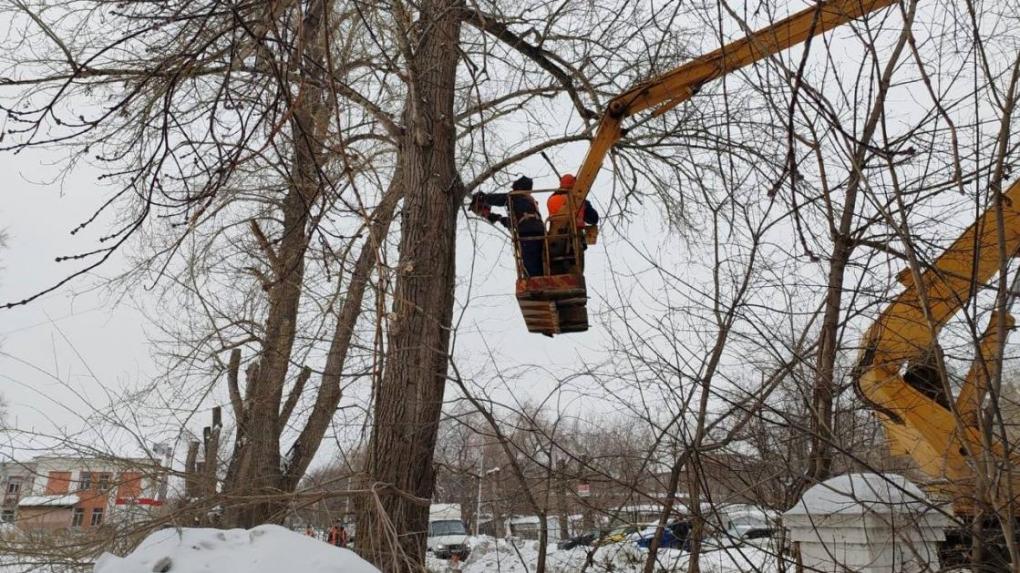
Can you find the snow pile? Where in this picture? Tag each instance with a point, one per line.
(627, 558)
(263, 549)
(489, 556)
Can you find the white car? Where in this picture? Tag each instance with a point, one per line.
(447, 537)
(750, 523)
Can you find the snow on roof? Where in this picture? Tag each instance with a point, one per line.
(263, 549)
(649, 507)
(48, 500)
(861, 493)
(680, 506)
(449, 511)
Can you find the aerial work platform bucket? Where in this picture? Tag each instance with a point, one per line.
(555, 302)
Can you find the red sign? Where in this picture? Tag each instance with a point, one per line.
(139, 501)
(583, 489)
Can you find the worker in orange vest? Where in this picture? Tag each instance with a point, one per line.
(586, 214)
(587, 217)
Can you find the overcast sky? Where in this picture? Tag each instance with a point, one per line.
(84, 344)
(58, 350)
(77, 348)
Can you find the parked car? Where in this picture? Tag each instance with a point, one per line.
(617, 535)
(750, 523)
(583, 540)
(447, 535)
(676, 535)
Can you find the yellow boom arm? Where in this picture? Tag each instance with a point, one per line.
(939, 436)
(674, 87)
(555, 302)
(939, 440)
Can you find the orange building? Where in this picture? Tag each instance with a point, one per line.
(54, 493)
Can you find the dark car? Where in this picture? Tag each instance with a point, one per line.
(758, 533)
(583, 540)
(676, 535)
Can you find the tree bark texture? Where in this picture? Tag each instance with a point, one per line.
(410, 393)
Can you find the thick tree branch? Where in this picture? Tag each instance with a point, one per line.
(264, 244)
(235, 393)
(506, 162)
(543, 58)
(330, 391)
(294, 396)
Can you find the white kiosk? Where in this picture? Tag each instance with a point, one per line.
(867, 523)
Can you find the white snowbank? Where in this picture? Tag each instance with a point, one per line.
(489, 556)
(263, 549)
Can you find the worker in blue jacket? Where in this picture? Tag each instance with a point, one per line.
(523, 214)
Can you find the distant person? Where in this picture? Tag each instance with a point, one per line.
(337, 535)
(310, 532)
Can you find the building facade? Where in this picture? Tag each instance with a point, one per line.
(15, 482)
(59, 493)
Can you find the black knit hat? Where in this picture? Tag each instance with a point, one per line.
(523, 184)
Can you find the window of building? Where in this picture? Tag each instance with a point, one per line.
(97, 516)
(103, 481)
(14, 485)
(78, 517)
(7, 516)
(85, 480)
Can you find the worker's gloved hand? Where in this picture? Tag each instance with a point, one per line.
(494, 218)
(479, 204)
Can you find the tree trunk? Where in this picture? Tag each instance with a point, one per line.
(823, 394)
(820, 462)
(410, 394)
(258, 462)
(561, 500)
(697, 531)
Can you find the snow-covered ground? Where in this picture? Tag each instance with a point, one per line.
(489, 555)
(263, 549)
(273, 549)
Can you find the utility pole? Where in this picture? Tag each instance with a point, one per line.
(561, 498)
(478, 506)
(482, 474)
(497, 525)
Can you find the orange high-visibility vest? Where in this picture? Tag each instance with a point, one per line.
(556, 202)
